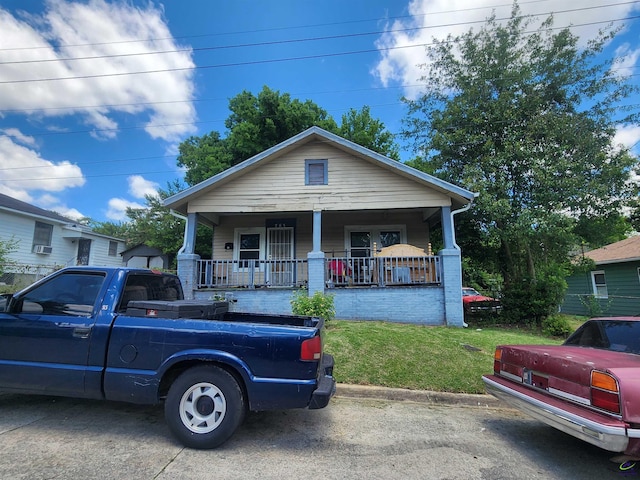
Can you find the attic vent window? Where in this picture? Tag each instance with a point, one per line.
(316, 172)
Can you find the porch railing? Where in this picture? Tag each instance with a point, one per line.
(339, 272)
(252, 273)
(383, 271)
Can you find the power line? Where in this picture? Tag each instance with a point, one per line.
(286, 59)
(307, 27)
(284, 42)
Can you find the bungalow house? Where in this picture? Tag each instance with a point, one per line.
(318, 211)
(612, 287)
(44, 240)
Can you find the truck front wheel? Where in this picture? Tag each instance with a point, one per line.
(204, 407)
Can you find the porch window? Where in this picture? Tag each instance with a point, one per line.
(43, 234)
(360, 240)
(599, 284)
(316, 172)
(249, 242)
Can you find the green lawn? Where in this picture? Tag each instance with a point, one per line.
(418, 357)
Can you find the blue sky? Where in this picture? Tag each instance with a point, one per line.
(85, 133)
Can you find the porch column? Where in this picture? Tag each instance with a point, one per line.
(190, 230)
(187, 259)
(451, 264)
(315, 258)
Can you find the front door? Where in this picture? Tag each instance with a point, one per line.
(84, 250)
(280, 267)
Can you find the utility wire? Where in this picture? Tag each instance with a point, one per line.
(285, 42)
(307, 27)
(279, 60)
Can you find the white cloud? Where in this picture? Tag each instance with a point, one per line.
(112, 39)
(139, 186)
(51, 202)
(629, 136)
(118, 207)
(403, 50)
(18, 136)
(627, 59)
(23, 169)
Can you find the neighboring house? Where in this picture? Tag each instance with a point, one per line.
(145, 256)
(315, 211)
(45, 241)
(612, 287)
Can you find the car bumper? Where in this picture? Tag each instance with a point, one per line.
(326, 384)
(592, 427)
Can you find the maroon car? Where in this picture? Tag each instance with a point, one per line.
(588, 387)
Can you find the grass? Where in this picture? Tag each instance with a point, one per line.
(418, 357)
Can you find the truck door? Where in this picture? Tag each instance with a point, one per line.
(45, 337)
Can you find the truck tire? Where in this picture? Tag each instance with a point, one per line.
(204, 407)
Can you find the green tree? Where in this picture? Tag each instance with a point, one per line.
(204, 157)
(155, 226)
(6, 247)
(526, 119)
(359, 127)
(258, 123)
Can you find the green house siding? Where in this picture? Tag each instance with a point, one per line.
(623, 288)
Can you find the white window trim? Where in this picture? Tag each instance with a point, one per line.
(594, 286)
(236, 245)
(375, 232)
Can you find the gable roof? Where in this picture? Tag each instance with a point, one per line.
(626, 250)
(10, 204)
(459, 195)
(15, 205)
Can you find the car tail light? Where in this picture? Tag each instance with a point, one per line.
(605, 393)
(311, 349)
(497, 360)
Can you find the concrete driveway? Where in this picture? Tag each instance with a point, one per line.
(363, 434)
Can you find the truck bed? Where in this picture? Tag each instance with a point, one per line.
(217, 310)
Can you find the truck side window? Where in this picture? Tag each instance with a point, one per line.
(149, 286)
(67, 294)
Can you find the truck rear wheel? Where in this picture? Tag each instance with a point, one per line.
(204, 407)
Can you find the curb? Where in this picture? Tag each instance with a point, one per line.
(420, 396)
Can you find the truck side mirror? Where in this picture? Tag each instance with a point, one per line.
(5, 302)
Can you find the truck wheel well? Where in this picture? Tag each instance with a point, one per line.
(175, 371)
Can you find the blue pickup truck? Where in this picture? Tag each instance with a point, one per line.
(128, 335)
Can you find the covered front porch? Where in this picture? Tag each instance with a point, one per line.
(368, 282)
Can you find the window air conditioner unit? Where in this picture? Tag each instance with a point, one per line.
(43, 249)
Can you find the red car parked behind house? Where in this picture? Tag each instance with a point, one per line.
(474, 303)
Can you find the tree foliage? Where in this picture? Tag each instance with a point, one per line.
(156, 226)
(257, 123)
(360, 127)
(526, 119)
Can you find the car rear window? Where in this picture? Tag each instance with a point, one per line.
(614, 335)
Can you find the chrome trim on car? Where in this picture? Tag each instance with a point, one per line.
(510, 376)
(607, 437)
(569, 396)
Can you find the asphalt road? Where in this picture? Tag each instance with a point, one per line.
(372, 435)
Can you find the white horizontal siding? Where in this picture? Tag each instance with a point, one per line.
(21, 229)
